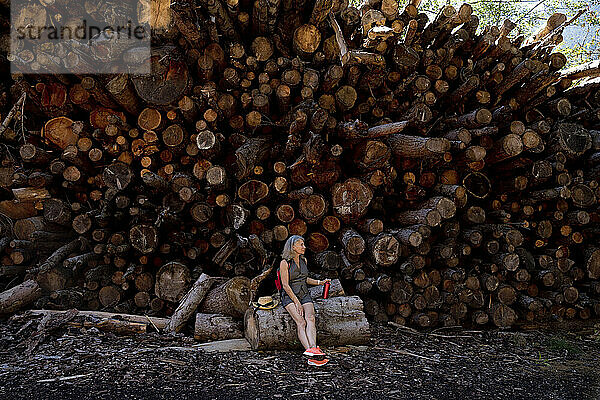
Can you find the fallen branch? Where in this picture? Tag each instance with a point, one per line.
(157, 323)
(64, 378)
(12, 113)
(408, 353)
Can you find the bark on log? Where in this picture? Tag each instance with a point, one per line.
(113, 325)
(60, 132)
(427, 216)
(253, 191)
(250, 154)
(60, 254)
(312, 208)
(57, 211)
(353, 242)
(143, 238)
(417, 147)
(19, 296)
(503, 316)
(571, 139)
(340, 321)
(160, 323)
(384, 248)
(117, 176)
(188, 304)
(23, 228)
(168, 80)
(230, 298)
(172, 281)
(351, 199)
(592, 262)
(211, 327)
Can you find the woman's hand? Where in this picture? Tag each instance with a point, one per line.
(324, 281)
(299, 308)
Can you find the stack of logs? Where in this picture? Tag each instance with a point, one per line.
(445, 172)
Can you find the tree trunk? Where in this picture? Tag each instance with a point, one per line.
(211, 327)
(19, 296)
(351, 199)
(188, 305)
(340, 321)
(160, 323)
(230, 298)
(172, 281)
(113, 325)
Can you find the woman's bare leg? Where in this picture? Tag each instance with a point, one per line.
(311, 329)
(300, 325)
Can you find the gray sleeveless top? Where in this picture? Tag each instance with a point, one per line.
(297, 277)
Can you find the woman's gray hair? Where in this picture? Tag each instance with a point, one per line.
(287, 252)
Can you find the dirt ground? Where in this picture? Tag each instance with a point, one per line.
(399, 363)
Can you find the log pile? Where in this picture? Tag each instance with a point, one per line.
(445, 172)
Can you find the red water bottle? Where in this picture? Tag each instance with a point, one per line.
(326, 289)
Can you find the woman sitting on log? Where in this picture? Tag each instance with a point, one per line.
(295, 296)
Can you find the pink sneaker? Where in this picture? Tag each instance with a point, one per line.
(317, 363)
(313, 351)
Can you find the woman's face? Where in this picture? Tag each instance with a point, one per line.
(298, 247)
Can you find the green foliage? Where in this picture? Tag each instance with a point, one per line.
(581, 40)
(557, 343)
(542, 361)
(494, 12)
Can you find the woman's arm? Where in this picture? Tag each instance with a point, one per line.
(312, 281)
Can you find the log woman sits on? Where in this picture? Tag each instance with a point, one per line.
(295, 296)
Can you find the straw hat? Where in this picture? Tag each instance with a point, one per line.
(265, 303)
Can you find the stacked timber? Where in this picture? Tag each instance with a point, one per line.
(447, 173)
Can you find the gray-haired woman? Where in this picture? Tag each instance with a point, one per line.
(295, 296)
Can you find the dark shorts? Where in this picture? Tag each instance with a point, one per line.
(285, 299)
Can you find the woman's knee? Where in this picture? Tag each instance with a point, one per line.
(300, 322)
(310, 318)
